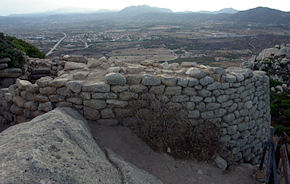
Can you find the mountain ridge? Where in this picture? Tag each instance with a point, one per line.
(146, 14)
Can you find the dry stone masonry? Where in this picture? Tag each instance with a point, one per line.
(109, 92)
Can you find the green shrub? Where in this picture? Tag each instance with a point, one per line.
(29, 49)
(13, 48)
(274, 83)
(287, 113)
(285, 103)
(15, 55)
(279, 129)
(274, 109)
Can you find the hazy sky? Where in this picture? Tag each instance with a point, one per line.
(28, 6)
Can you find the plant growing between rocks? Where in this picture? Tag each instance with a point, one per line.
(166, 128)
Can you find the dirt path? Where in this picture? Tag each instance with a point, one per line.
(170, 171)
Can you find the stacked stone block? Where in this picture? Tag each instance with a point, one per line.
(236, 100)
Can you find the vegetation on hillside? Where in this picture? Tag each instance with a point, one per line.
(15, 49)
(29, 49)
(280, 109)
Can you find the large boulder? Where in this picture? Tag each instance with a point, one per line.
(267, 53)
(57, 147)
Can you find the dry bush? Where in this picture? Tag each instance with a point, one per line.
(164, 128)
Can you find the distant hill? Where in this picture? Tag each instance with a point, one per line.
(16, 49)
(225, 10)
(143, 9)
(63, 11)
(147, 14)
(262, 15)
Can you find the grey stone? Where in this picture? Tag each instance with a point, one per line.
(229, 78)
(227, 103)
(22, 84)
(233, 107)
(196, 99)
(189, 91)
(209, 99)
(114, 69)
(93, 63)
(157, 89)
(207, 115)
(223, 98)
(47, 90)
(190, 105)
(74, 66)
(91, 114)
(115, 79)
(128, 96)
(204, 93)
(10, 72)
(96, 87)
(56, 98)
(267, 53)
(104, 96)
(192, 82)
(19, 101)
(180, 98)
(135, 69)
(58, 82)
(194, 114)
(64, 91)
(182, 82)
(138, 88)
(43, 81)
(41, 98)
(232, 129)
(74, 86)
(16, 110)
(219, 112)
(196, 73)
(229, 118)
(214, 86)
(74, 157)
(117, 103)
(174, 90)
(188, 64)
(45, 107)
(3, 66)
(212, 106)
(221, 163)
(5, 60)
(206, 81)
(95, 104)
(118, 89)
(75, 100)
(33, 88)
(248, 104)
(107, 114)
(168, 80)
(134, 79)
(85, 95)
(150, 80)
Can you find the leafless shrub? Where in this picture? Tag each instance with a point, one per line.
(167, 129)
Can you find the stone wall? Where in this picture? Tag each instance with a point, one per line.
(8, 75)
(236, 100)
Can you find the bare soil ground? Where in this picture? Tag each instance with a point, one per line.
(123, 142)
